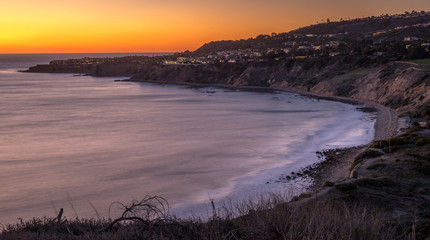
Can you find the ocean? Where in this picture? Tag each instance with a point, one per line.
(81, 143)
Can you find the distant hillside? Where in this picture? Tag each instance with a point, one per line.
(365, 25)
(382, 28)
(361, 58)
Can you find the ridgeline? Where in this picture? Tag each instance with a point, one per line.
(373, 58)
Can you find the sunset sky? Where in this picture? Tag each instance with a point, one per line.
(46, 26)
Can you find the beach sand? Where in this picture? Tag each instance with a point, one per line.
(337, 162)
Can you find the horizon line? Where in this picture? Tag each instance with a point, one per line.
(86, 53)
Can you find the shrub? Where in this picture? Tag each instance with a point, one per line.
(394, 148)
(370, 154)
(345, 90)
(328, 184)
(421, 167)
(375, 182)
(400, 140)
(422, 141)
(424, 156)
(376, 166)
(423, 230)
(301, 196)
(346, 187)
(365, 155)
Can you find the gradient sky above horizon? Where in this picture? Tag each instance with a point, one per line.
(59, 26)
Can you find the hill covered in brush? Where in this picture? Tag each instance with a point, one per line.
(381, 28)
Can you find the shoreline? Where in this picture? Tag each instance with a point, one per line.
(386, 118)
(336, 163)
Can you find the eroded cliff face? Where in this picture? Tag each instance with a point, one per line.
(207, 74)
(50, 68)
(400, 86)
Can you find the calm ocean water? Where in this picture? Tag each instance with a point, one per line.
(77, 141)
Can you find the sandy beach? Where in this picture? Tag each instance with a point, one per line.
(337, 162)
(386, 119)
(386, 122)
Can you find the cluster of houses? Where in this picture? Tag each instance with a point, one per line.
(248, 55)
(300, 48)
(80, 61)
(93, 61)
(424, 25)
(233, 56)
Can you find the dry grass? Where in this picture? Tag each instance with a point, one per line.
(264, 217)
(353, 210)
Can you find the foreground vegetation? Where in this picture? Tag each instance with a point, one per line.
(388, 197)
(269, 218)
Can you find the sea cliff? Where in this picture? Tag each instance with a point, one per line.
(399, 85)
(99, 70)
(403, 86)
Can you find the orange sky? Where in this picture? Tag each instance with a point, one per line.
(47, 26)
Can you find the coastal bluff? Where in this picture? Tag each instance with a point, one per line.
(402, 86)
(398, 85)
(99, 70)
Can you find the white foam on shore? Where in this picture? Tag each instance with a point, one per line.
(8, 71)
(72, 140)
(351, 128)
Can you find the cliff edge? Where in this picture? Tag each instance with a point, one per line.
(402, 86)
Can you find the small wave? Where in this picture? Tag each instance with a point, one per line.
(8, 71)
(282, 111)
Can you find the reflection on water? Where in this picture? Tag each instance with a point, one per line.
(69, 140)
